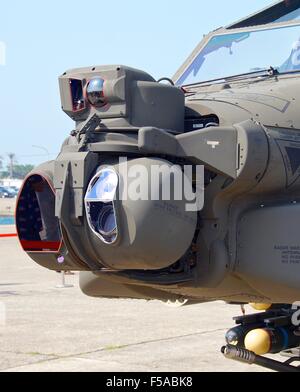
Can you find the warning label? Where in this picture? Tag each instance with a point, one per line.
(289, 254)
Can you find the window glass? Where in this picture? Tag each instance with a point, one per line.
(238, 53)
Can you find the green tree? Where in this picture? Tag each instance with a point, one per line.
(12, 162)
(21, 171)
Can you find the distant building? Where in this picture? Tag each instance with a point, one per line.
(11, 182)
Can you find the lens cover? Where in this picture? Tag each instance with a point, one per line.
(99, 204)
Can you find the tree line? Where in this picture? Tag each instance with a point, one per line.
(13, 169)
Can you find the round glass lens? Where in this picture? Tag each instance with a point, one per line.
(95, 92)
(107, 221)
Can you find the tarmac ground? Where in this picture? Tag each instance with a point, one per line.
(7, 206)
(45, 328)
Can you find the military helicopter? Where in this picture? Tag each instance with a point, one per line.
(227, 128)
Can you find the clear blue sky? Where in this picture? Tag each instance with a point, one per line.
(43, 39)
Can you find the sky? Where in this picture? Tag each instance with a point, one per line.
(44, 39)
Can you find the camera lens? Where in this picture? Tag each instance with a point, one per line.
(107, 224)
(95, 92)
(99, 204)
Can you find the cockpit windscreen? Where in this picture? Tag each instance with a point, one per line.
(243, 52)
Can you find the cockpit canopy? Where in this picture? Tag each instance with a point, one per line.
(248, 47)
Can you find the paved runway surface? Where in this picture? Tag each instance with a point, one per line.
(51, 329)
